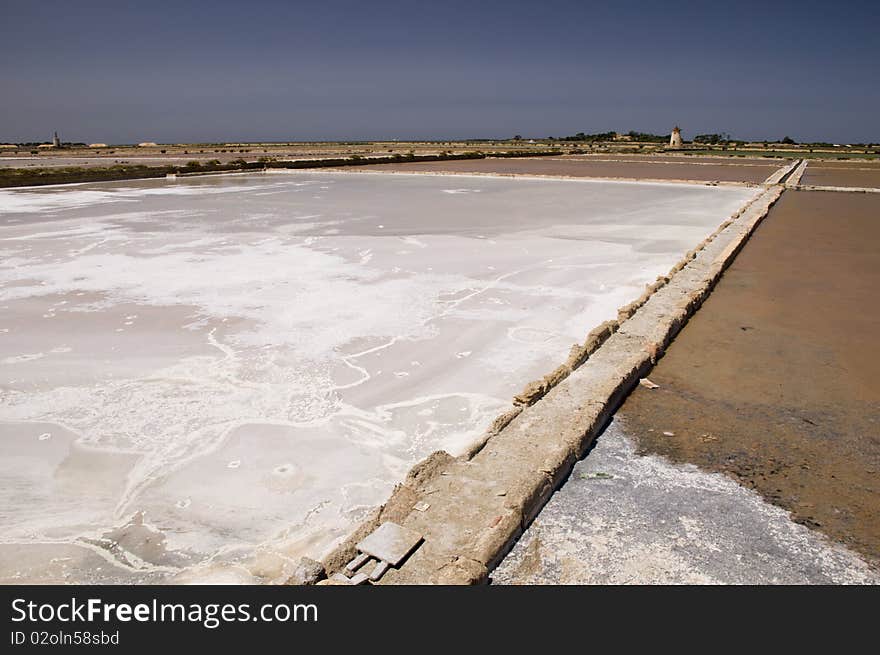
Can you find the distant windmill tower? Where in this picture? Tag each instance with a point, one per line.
(56, 142)
(675, 138)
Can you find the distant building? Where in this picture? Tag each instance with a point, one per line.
(622, 137)
(97, 145)
(147, 144)
(675, 138)
(56, 142)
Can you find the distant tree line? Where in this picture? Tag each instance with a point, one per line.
(580, 136)
(644, 137)
(641, 137)
(712, 139)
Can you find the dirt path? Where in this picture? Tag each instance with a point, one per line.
(774, 381)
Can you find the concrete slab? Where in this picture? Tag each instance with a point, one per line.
(390, 543)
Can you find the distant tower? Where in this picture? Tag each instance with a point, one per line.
(675, 138)
(56, 142)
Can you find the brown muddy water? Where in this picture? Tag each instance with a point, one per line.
(831, 174)
(774, 381)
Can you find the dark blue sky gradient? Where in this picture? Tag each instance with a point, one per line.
(126, 71)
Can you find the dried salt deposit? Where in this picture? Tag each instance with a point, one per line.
(203, 379)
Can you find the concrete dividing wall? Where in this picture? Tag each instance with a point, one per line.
(776, 177)
(844, 189)
(795, 178)
(470, 509)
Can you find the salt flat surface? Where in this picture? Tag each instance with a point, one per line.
(203, 379)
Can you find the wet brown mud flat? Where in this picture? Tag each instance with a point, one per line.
(866, 162)
(833, 174)
(774, 381)
(584, 167)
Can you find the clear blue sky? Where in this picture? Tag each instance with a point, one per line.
(126, 71)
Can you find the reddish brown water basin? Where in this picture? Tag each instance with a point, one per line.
(585, 167)
(846, 174)
(724, 160)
